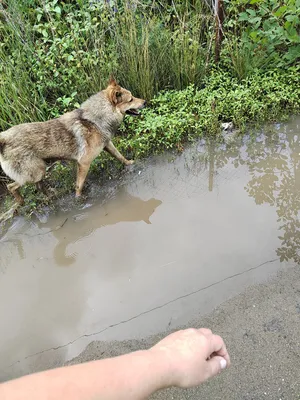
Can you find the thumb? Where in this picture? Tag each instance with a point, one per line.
(215, 365)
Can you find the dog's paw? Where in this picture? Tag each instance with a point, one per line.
(129, 162)
(80, 200)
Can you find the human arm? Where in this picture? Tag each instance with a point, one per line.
(183, 359)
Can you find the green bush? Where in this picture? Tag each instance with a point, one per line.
(54, 54)
(178, 116)
(261, 34)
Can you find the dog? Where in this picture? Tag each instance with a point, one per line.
(79, 135)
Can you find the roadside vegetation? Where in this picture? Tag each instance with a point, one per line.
(54, 54)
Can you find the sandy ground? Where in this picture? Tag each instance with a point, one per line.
(261, 329)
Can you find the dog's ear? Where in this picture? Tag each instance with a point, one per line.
(112, 81)
(115, 94)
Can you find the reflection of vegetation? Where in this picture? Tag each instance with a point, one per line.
(274, 167)
(275, 179)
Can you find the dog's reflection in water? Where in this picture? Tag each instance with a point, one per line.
(124, 208)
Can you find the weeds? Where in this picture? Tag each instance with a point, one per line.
(54, 54)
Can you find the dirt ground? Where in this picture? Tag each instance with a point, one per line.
(261, 330)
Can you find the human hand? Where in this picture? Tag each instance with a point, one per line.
(192, 356)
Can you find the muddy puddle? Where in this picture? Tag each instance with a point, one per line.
(173, 239)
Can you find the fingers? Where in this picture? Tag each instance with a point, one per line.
(216, 345)
(215, 365)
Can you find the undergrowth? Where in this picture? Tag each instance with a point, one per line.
(54, 54)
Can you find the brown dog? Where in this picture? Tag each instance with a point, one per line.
(77, 135)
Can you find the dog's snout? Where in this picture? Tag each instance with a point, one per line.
(145, 103)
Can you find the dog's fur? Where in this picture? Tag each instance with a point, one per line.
(78, 135)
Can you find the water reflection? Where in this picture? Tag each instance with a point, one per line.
(273, 162)
(123, 208)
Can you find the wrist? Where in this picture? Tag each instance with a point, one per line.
(161, 367)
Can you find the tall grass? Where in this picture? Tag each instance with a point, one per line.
(18, 94)
(53, 54)
(156, 54)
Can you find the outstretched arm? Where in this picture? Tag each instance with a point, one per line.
(184, 359)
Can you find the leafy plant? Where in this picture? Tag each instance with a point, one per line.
(262, 34)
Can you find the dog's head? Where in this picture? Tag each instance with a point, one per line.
(123, 100)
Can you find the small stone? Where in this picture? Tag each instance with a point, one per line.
(227, 126)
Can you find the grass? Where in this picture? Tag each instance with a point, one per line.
(53, 55)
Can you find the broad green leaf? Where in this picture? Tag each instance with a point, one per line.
(293, 53)
(292, 18)
(280, 11)
(251, 12)
(255, 20)
(243, 16)
(287, 24)
(253, 35)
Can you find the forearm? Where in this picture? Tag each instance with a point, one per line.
(133, 376)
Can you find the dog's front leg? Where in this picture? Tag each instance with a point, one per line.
(110, 148)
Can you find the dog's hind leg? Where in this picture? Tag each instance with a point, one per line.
(14, 190)
(82, 170)
(110, 148)
(23, 171)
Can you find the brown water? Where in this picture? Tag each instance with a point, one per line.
(173, 239)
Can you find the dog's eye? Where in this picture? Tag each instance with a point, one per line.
(130, 100)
